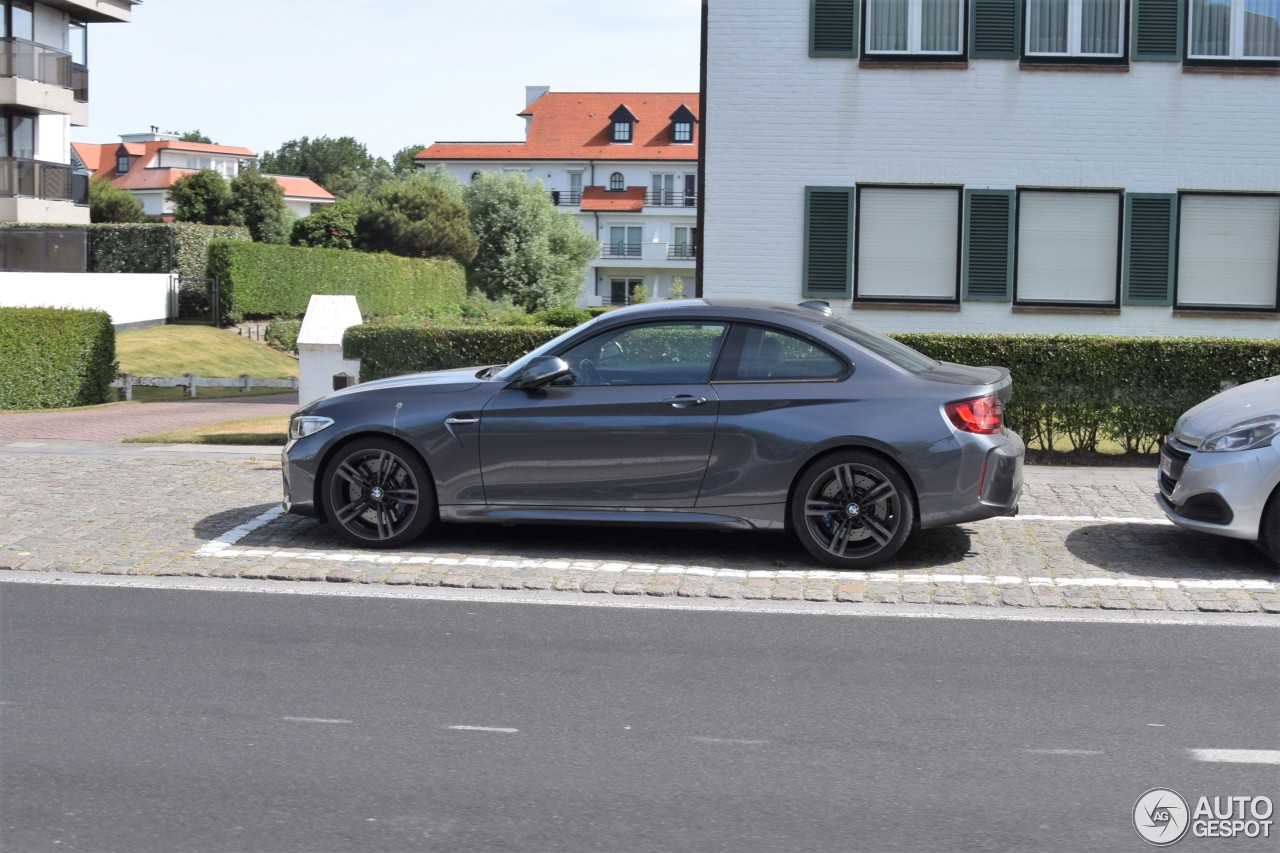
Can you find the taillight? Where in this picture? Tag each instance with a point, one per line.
(981, 415)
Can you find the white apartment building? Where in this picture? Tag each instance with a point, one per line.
(1099, 166)
(44, 90)
(624, 165)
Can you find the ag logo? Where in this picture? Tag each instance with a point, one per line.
(1161, 817)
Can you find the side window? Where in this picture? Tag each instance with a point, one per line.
(653, 354)
(768, 355)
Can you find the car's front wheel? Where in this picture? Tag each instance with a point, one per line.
(852, 509)
(1269, 540)
(377, 493)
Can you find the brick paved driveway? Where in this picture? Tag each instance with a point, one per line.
(1086, 538)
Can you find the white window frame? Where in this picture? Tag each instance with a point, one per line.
(915, 16)
(1236, 51)
(1072, 256)
(927, 270)
(1074, 30)
(1228, 277)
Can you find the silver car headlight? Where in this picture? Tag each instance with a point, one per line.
(1246, 435)
(301, 426)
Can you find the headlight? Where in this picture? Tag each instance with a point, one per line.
(301, 426)
(1255, 432)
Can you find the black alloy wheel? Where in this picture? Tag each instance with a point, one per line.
(378, 494)
(852, 509)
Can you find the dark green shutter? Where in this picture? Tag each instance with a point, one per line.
(1148, 226)
(828, 241)
(988, 247)
(833, 28)
(995, 29)
(1157, 30)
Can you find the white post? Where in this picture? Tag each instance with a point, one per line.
(320, 345)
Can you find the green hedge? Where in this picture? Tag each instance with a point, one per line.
(264, 280)
(1068, 390)
(283, 334)
(53, 358)
(394, 349)
(1084, 389)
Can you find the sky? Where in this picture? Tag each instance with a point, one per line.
(390, 73)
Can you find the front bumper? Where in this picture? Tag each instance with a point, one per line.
(1220, 493)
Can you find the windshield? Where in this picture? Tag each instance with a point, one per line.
(885, 347)
(512, 370)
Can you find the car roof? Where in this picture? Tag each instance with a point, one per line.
(741, 309)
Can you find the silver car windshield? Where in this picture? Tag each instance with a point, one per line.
(885, 347)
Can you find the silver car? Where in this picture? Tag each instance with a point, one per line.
(726, 414)
(1220, 469)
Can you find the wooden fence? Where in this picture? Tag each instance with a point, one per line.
(125, 382)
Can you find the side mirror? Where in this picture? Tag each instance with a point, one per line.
(543, 370)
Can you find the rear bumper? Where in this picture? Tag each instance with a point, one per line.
(986, 482)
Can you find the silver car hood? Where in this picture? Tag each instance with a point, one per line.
(1233, 406)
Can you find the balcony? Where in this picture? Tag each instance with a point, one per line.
(566, 198)
(682, 253)
(31, 61)
(22, 178)
(670, 198)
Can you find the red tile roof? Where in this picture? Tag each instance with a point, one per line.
(600, 198)
(576, 126)
(296, 187)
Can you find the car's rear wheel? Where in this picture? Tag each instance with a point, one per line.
(377, 493)
(852, 509)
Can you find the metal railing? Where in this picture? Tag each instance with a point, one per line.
(670, 198)
(31, 61)
(681, 251)
(566, 198)
(20, 177)
(80, 83)
(620, 250)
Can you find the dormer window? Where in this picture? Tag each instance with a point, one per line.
(122, 163)
(682, 126)
(617, 183)
(622, 130)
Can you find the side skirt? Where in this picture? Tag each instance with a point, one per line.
(605, 517)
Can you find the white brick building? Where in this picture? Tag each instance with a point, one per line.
(623, 164)
(998, 165)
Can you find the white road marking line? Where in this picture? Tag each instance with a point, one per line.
(315, 720)
(1237, 756)
(1065, 752)
(224, 547)
(484, 729)
(739, 741)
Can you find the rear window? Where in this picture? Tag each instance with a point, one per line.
(885, 347)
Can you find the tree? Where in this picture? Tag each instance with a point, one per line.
(342, 166)
(333, 226)
(203, 197)
(528, 251)
(194, 136)
(402, 161)
(416, 217)
(109, 203)
(258, 202)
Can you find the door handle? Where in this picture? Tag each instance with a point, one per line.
(455, 421)
(684, 401)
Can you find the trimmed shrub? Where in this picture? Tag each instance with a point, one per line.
(262, 280)
(564, 318)
(132, 248)
(52, 358)
(283, 334)
(1086, 388)
(191, 245)
(391, 349)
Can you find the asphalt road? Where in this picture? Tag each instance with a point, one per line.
(152, 720)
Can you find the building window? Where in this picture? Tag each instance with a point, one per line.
(1068, 247)
(19, 21)
(617, 183)
(664, 189)
(78, 42)
(625, 241)
(1075, 28)
(622, 131)
(1234, 29)
(682, 132)
(684, 246)
(908, 243)
(122, 163)
(1228, 251)
(914, 26)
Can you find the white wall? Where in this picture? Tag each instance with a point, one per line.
(778, 120)
(129, 298)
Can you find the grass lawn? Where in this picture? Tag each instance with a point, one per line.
(202, 350)
(269, 430)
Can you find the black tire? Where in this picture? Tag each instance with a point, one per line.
(1269, 530)
(377, 493)
(852, 509)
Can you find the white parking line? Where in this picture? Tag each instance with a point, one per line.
(315, 720)
(1238, 756)
(484, 729)
(224, 547)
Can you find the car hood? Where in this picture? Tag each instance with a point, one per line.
(1221, 411)
(439, 381)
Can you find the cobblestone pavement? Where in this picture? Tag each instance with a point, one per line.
(1086, 538)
